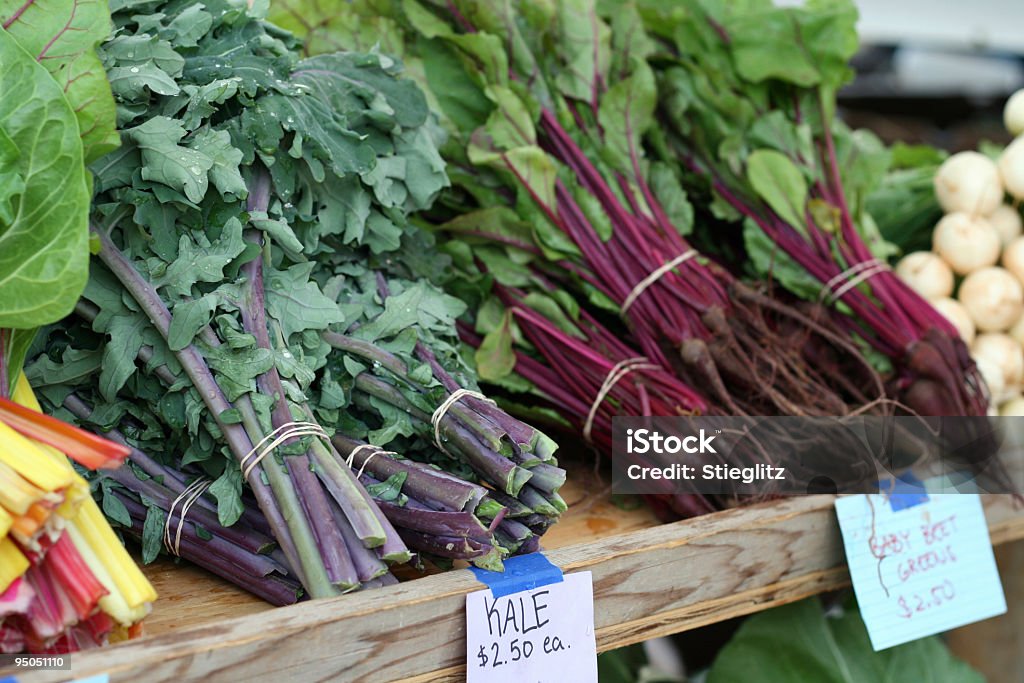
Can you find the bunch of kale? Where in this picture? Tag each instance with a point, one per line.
(256, 291)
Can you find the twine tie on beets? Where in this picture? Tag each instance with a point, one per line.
(654, 277)
(835, 288)
(618, 371)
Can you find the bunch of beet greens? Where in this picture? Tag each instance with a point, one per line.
(747, 115)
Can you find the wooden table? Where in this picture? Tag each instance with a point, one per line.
(649, 580)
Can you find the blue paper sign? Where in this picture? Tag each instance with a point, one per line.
(919, 569)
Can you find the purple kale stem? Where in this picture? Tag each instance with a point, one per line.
(487, 430)
(537, 502)
(492, 466)
(515, 507)
(393, 549)
(313, 500)
(382, 581)
(547, 478)
(515, 530)
(346, 491)
(171, 479)
(424, 483)
(530, 545)
(451, 547)
(275, 590)
(368, 565)
(518, 431)
(461, 524)
(396, 366)
(291, 532)
(223, 553)
(164, 497)
(368, 351)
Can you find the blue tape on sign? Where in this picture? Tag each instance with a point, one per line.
(9, 679)
(522, 573)
(905, 492)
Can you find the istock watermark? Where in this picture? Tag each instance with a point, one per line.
(648, 441)
(766, 456)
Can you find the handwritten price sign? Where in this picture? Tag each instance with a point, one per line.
(919, 570)
(540, 635)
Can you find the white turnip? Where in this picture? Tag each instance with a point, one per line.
(1017, 331)
(927, 274)
(1014, 407)
(956, 314)
(1007, 222)
(1004, 351)
(1013, 258)
(993, 376)
(1013, 113)
(1011, 168)
(968, 182)
(993, 298)
(966, 242)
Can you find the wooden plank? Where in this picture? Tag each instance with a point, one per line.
(648, 583)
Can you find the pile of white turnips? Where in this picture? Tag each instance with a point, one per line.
(979, 240)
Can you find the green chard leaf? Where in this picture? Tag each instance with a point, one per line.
(62, 35)
(44, 204)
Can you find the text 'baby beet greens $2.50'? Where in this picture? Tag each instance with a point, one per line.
(255, 312)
